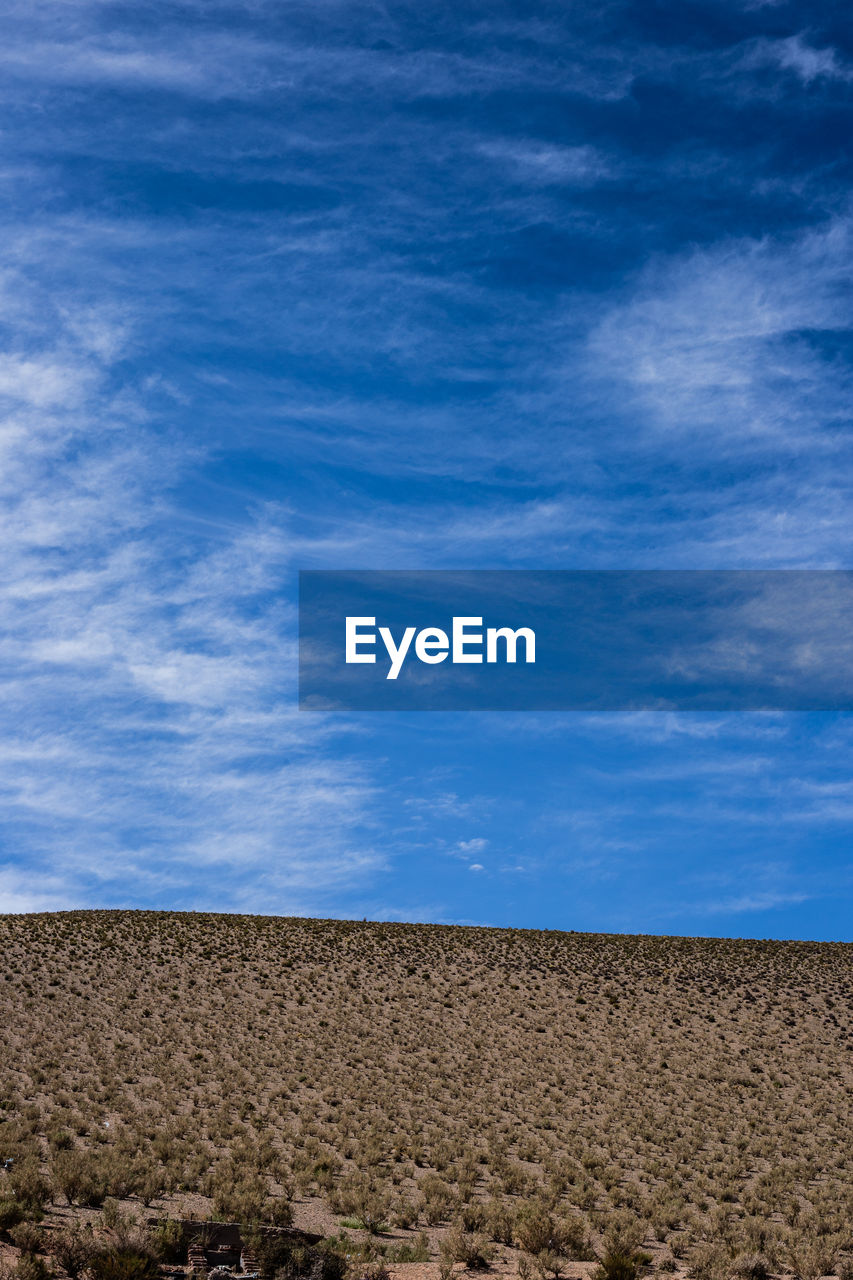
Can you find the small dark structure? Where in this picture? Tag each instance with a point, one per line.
(217, 1250)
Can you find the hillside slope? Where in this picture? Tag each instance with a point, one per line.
(693, 1094)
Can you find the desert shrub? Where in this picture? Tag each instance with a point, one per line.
(621, 1258)
(31, 1267)
(539, 1232)
(27, 1237)
(406, 1252)
(500, 1222)
(750, 1266)
(363, 1203)
(29, 1187)
(679, 1246)
(812, 1256)
(114, 1219)
(243, 1199)
(709, 1262)
(278, 1212)
(526, 1269)
(123, 1264)
(574, 1239)
(433, 1210)
(472, 1217)
(757, 1236)
(324, 1173)
(11, 1213)
(167, 1240)
(549, 1263)
(370, 1271)
(355, 1252)
(149, 1184)
(623, 1234)
(436, 1199)
(119, 1174)
(515, 1181)
(59, 1139)
(79, 1177)
(535, 1229)
(618, 1266)
(465, 1188)
(73, 1249)
(286, 1183)
(405, 1215)
(468, 1247)
(665, 1214)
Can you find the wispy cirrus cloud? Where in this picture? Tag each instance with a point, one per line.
(147, 720)
(795, 54)
(739, 904)
(725, 344)
(308, 286)
(534, 162)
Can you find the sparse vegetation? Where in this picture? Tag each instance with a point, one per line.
(480, 1098)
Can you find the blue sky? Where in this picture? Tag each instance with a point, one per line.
(342, 285)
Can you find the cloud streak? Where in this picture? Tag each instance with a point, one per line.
(304, 287)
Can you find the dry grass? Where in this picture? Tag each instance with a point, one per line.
(679, 1103)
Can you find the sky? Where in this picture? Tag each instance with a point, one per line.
(393, 285)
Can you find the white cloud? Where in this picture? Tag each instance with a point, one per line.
(720, 345)
(763, 900)
(148, 733)
(42, 382)
(22, 892)
(209, 66)
(793, 53)
(66, 43)
(535, 162)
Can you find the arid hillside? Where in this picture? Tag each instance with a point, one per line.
(526, 1099)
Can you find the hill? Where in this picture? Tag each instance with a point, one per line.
(533, 1099)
